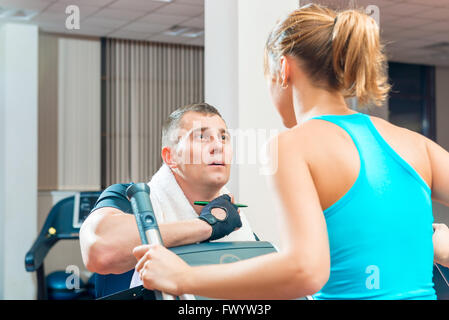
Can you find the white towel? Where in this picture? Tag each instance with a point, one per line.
(170, 204)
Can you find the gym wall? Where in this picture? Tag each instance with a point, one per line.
(18, 154)
(69, 132)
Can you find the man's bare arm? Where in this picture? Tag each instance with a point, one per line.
(108, 237)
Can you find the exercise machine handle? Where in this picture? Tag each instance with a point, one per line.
(139, 196)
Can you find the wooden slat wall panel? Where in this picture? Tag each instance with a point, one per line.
(145, 82)
(78, 114)
(48, 113)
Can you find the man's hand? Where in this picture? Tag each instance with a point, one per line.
(233, 201)
(222, 216)
(441, 244)
(220, 213)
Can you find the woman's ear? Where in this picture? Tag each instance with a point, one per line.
(167, 157)
(285, 71)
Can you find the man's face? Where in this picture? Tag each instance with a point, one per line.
(204, 151)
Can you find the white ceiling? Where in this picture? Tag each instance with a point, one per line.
(407, 26)
(129, 19)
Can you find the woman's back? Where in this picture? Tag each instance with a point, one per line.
(373, 182)
(336, 172)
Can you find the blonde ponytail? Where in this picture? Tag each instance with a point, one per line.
(358, 62)
(340, 52)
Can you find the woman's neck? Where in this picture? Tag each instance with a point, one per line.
(312, 102)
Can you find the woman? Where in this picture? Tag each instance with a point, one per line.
(355, 190)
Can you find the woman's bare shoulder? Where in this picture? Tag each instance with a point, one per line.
(396, 133)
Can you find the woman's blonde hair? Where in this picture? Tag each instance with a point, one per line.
(338, 51)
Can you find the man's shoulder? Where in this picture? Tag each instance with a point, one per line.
(117, 187)
(114, 196)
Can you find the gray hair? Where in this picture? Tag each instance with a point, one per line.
(174, 119)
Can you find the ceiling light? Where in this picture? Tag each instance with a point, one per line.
(439, 50)
(176, 31)
(193, 33)
(17, 14)
(4, 12)
(438, 46)
(23, 15)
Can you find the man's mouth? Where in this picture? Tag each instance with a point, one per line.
(216, 164)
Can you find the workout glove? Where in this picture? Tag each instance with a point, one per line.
(221, 228)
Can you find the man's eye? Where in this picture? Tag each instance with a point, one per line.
(201, 137)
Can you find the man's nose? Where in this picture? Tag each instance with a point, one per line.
(216, 144)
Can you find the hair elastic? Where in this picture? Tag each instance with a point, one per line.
(335, 21)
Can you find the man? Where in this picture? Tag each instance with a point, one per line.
(196, 152)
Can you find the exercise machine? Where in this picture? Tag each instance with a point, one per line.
(62, 223)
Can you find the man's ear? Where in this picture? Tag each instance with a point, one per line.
(167, 157)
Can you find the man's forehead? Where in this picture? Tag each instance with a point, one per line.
(196, 120)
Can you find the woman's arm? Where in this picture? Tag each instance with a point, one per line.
(439, 161)
(441, 244)
(301, 268)
(271, 276)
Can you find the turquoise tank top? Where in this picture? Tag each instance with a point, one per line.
(380, 231)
